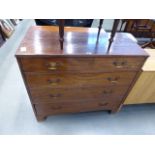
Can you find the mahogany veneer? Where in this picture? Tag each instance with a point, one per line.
(84, 76)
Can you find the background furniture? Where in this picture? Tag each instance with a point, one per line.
(113, 32)
(144, 88)
(68, 22)
(77, 23)
(81, 77)
(7, 27)
(140, 28)
(2, 37)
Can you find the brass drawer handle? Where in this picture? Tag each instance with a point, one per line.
(55, 96)
(113, 80)
(55, 81)
(119, 64)
(56, 107)
(103, 104)
(107, 92)
(53, 65)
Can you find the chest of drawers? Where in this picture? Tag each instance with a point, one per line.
(84, 76)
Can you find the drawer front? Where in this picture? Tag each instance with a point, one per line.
(81, 106)
(36, 81)
(46, 96)
(87, 64)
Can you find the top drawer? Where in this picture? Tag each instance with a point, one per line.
(87, 64)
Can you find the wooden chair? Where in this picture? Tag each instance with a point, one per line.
(146, 30)
(114, 29)
(140, 28)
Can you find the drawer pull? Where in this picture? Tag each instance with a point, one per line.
(119, 64)
(56, 81)
(103, 104)
(55, 96)
(53, 65)
(107, 92)
(113, 80)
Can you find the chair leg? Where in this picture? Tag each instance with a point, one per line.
(113, 32)
(149, 44)
(122, 23)
(61, 32)
(99, 28)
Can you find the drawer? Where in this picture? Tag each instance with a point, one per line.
(87, 64)
(82, 106)
(49, 95)
(59, 80)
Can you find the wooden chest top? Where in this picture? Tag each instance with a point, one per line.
(44, 41)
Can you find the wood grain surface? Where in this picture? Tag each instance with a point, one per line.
(81, 77)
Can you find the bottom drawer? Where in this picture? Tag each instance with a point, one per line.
(81, 106)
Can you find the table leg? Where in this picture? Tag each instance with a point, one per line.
(113, 32)
(61, 32)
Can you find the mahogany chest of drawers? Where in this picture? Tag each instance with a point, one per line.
(82, 77)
